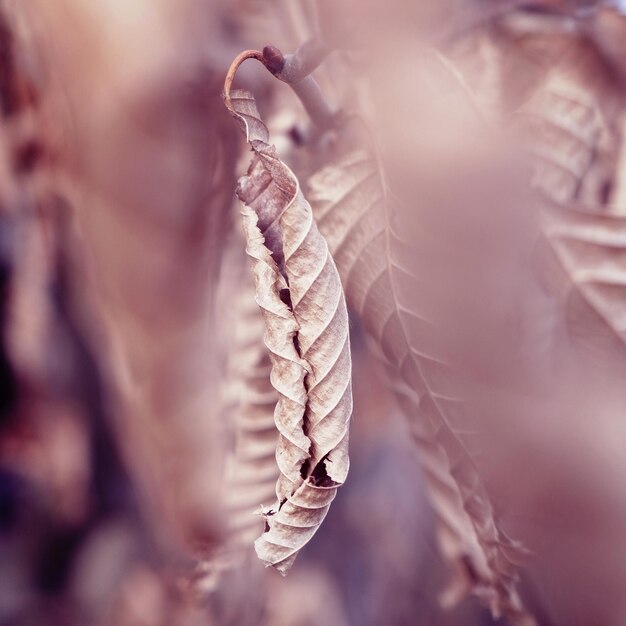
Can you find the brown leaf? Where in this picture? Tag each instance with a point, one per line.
(570, 139)
(589, 249)
(560, 80)
(248, 400)
(251, 472)
(555, 72)
(352, 209)
(570, 124)
(306, 330)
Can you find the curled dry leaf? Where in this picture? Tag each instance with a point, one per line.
(351, 207)
(306, 331)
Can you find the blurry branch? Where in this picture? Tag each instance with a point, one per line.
(295, 70)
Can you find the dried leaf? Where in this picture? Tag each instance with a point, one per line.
(248, 400)
(353, 212)
(251, 472)
(590, 249)
(571, 142)
(556, 74)
(455, 534)
(571, 127)
(306, 330)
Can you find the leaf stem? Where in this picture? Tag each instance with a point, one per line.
(232, 71)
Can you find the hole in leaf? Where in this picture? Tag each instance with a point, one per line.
(319, 477)
(285, 297)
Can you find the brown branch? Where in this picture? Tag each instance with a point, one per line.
(292, 68)
(295, 70)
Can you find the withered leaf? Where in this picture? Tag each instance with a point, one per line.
(571, 140)
(352, 209)
(589, 248)
(556, 75)
(571, 125)
(251, 472)
(568, 102)
(306, 331)
(247, 413)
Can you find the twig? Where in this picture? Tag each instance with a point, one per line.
(295, 70)
(297, 66)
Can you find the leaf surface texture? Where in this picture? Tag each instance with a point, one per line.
(307, 333)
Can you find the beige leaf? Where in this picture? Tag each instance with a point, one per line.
(590, 250)
(351, 209)
(569, 103)
(251, 472)
(248, 400)
(306, 331)
(556, 73)
(571, 125)
(569, 138)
